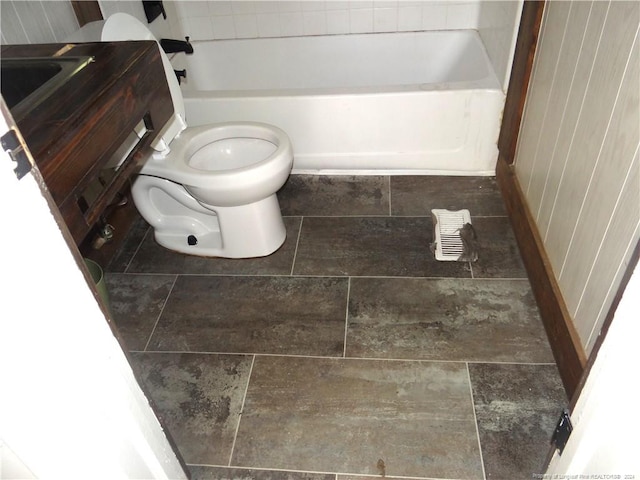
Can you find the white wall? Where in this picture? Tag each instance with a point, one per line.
(577, 156)
(599, 447)
(46, 21)
(70, 406)
(52, 21)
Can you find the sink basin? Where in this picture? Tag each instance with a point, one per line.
(27, 81)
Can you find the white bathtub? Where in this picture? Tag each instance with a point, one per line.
(394, 103)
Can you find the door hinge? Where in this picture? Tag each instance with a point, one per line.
(12, 145)
(562, 432)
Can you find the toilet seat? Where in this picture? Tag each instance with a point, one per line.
(232, 186)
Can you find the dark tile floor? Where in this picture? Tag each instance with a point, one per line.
(350, 352)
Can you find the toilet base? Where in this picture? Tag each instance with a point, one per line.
(246, 231)
(184, 225)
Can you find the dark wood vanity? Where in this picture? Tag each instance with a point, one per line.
(78, 130)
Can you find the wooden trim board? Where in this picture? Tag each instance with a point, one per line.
(563, 337)
(86, 11)
(526, 44)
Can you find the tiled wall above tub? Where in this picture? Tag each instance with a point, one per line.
(160, 27)
(264, 18)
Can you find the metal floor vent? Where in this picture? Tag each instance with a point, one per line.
(447, 224)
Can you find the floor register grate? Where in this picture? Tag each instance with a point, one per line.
(449, 245)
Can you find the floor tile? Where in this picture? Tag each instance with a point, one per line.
(517, 407)
(417, 195)
(130, 245)
(498, 256)
(152, 258)
(337, 195)
(218, 473)
(136, 302)
(380, 246)
(278, 315)
(342, 415)
(199, 399)
(445, 319)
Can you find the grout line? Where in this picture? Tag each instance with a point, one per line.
(264, 275)
(244, 398)
(346, 320)
(327, 357)
(309, 472)
(295, 252)
(475, 421)
(149, 229)
(389, 186)
(166, 300)
(385, 215)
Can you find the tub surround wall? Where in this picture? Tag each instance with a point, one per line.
(496, 21)
(498, 27)
(257, 19)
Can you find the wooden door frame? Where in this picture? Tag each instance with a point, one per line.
(86, 11)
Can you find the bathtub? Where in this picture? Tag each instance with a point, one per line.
(383, 103)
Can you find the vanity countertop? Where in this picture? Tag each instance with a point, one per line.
(74, 132)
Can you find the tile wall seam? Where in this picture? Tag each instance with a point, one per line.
(244, 399)
(155, 325)
(475, 421)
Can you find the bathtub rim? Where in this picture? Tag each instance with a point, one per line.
(488, 81)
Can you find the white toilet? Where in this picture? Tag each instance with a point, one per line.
(209, 190)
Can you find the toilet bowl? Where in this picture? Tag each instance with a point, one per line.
(208, 190)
